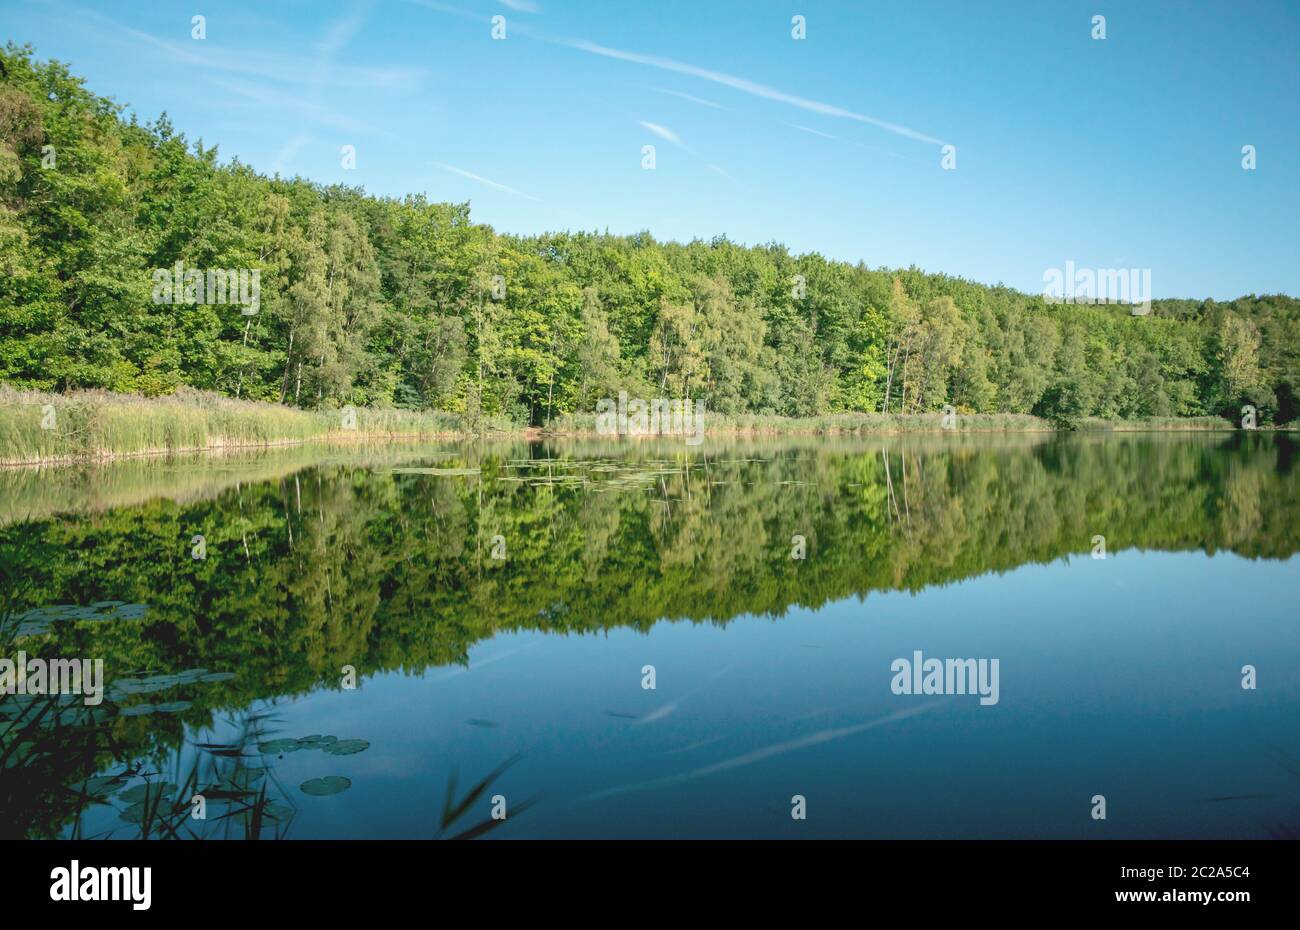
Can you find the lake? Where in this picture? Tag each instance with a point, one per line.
(646, 639)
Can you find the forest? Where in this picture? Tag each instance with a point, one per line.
(407, 303)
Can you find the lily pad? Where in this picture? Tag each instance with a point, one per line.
(322, 787)
(99, 786)
(154, 682)
(316, 741)
(145, 685)
(277, 811)
(276, 747)
(100, 610)
(446, 472)
(346, 747)
(147, 792)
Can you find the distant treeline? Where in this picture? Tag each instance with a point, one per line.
(384, 302)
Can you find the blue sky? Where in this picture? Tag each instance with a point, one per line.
(1124, 152)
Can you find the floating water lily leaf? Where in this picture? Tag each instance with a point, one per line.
(145, 685)
(277, 811)
(446, 472)
(19, 756)
(330, 784)
(151, 683)
(100, 610)
(277, 746)
(31, 628)
(154, 682)
(346, 747)
(134, 813)
(99, 786)
(148, 792)
(316, 741)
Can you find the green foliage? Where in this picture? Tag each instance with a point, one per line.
(384, 302)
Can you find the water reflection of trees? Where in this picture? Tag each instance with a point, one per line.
(341, 565)
(345, 565)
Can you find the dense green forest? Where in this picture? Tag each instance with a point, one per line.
(405, 302)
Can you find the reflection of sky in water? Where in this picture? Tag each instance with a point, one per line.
(1119, 677)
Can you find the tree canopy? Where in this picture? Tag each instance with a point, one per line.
(406, 302)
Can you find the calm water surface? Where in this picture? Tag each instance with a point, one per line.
(499, 605)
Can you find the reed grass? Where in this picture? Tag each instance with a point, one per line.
(85, 425)
(37, 427)
(715, 424)
(1157, 423)
(836, 423)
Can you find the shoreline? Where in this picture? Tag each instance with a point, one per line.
(107, 457)
(537, 434)
(97, 427)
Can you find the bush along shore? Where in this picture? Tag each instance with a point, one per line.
(40, 428)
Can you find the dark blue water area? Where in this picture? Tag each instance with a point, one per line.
(1119, 677)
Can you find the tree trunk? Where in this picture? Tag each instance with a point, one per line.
(288, 364)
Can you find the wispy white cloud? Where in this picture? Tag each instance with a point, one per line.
(766, 752)
(853, 142)
(522, 6)
(663, 132)
(746, 86)
(485, 181)
(815, 132)
(281, 160)
(718, 77)
(679, 67)
(340, 32)
(280, 69)
(291, 103)
(700, 100)
(449, 9)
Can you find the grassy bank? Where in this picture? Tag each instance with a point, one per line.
(36, 427)
(40, 428)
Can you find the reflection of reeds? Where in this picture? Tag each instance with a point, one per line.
(50, 751)
(46, 744)
(453, 810)
(256, 804)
